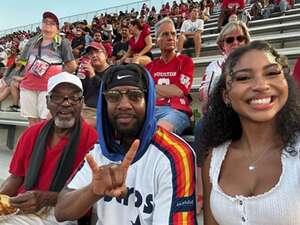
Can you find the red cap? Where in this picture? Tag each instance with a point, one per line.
(95, 45)
(51, 16)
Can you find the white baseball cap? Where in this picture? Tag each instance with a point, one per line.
(63, 77)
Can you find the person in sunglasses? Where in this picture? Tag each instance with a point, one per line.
(233, 35)
(48, 153)
(156, 184)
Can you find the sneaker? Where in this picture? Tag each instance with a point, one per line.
(15, 108)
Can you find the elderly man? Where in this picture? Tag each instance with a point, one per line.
(94, 68)
(48, 153)
(173, 76)
(44, 55)
(190, 32)
(156, 178)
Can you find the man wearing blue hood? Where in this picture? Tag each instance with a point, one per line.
(147, 181)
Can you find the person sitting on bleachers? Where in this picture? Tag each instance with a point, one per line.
(94, 69)
(47, 154)
(78, 42)
(190, 32)
(228, 8)
(278, 6)
(173, 77)
(97, 37)
(120, 48)
(140, 44)
(10, 84)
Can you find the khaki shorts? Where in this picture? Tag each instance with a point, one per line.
(33, 104)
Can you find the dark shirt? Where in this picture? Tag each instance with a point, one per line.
(120, 49)
(91, 88)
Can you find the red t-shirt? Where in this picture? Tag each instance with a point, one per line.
(296, 74)
(139, 45)
(21, 158)
(239, 4)
(179, 71)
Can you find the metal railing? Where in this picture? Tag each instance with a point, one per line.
(83, 16)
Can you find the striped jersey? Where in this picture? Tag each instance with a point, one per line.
(161, 185)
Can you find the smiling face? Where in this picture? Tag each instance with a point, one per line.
(127, 116)
(49, 27)
(257, 88)
(65, 114)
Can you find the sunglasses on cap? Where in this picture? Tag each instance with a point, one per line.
(230, 40)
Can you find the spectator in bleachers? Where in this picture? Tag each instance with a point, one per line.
(173, 77)
(228, 8)
(251, 155)
(78, 42)
(97, 37)
(48, 153)
(23, 42)
(10, 84)
(278, 6)
(256, 9)
(3, 55)
(232, 36)
(44, 55)
(205, 10)
(296, 73)
(13, 53)
(140, 45)
(120, 48)
(152, 18)
(94, 71)
(190, 32)
(107, 30)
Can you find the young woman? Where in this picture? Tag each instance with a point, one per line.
(251, 142)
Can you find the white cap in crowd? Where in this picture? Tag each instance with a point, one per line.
(63, 77)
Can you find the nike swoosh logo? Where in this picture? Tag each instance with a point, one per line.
(121, 77)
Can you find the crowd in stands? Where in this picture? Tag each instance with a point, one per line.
(30, 62)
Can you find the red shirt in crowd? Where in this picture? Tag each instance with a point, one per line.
(21, 158)
(179, 71)
(239, 4)
(296, 74)
(139, 45)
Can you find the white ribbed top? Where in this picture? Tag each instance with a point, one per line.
(278, 206)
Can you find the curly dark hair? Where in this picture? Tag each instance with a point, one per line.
(222, 123)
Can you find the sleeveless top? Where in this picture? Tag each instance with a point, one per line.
(278, 206)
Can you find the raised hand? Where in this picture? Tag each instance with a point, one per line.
(110, 179)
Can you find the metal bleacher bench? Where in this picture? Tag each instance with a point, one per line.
(10, 121)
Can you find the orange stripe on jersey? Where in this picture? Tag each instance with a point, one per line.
(183, 159)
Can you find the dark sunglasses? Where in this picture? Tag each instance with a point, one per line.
(115, 96)
(230, 40)
(58, 99)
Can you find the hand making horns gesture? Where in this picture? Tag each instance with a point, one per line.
(110, 179)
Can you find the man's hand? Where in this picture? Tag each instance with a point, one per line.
(33, 201)
(110, 179)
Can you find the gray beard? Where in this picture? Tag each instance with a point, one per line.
(64, 123)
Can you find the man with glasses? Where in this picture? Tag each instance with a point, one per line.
(173, 77)
(146, 181)
(48, 153)
(94, 68)
(44, 56)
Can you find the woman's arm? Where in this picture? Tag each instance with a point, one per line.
(148, 46)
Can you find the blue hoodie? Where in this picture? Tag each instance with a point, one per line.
(111, 148)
